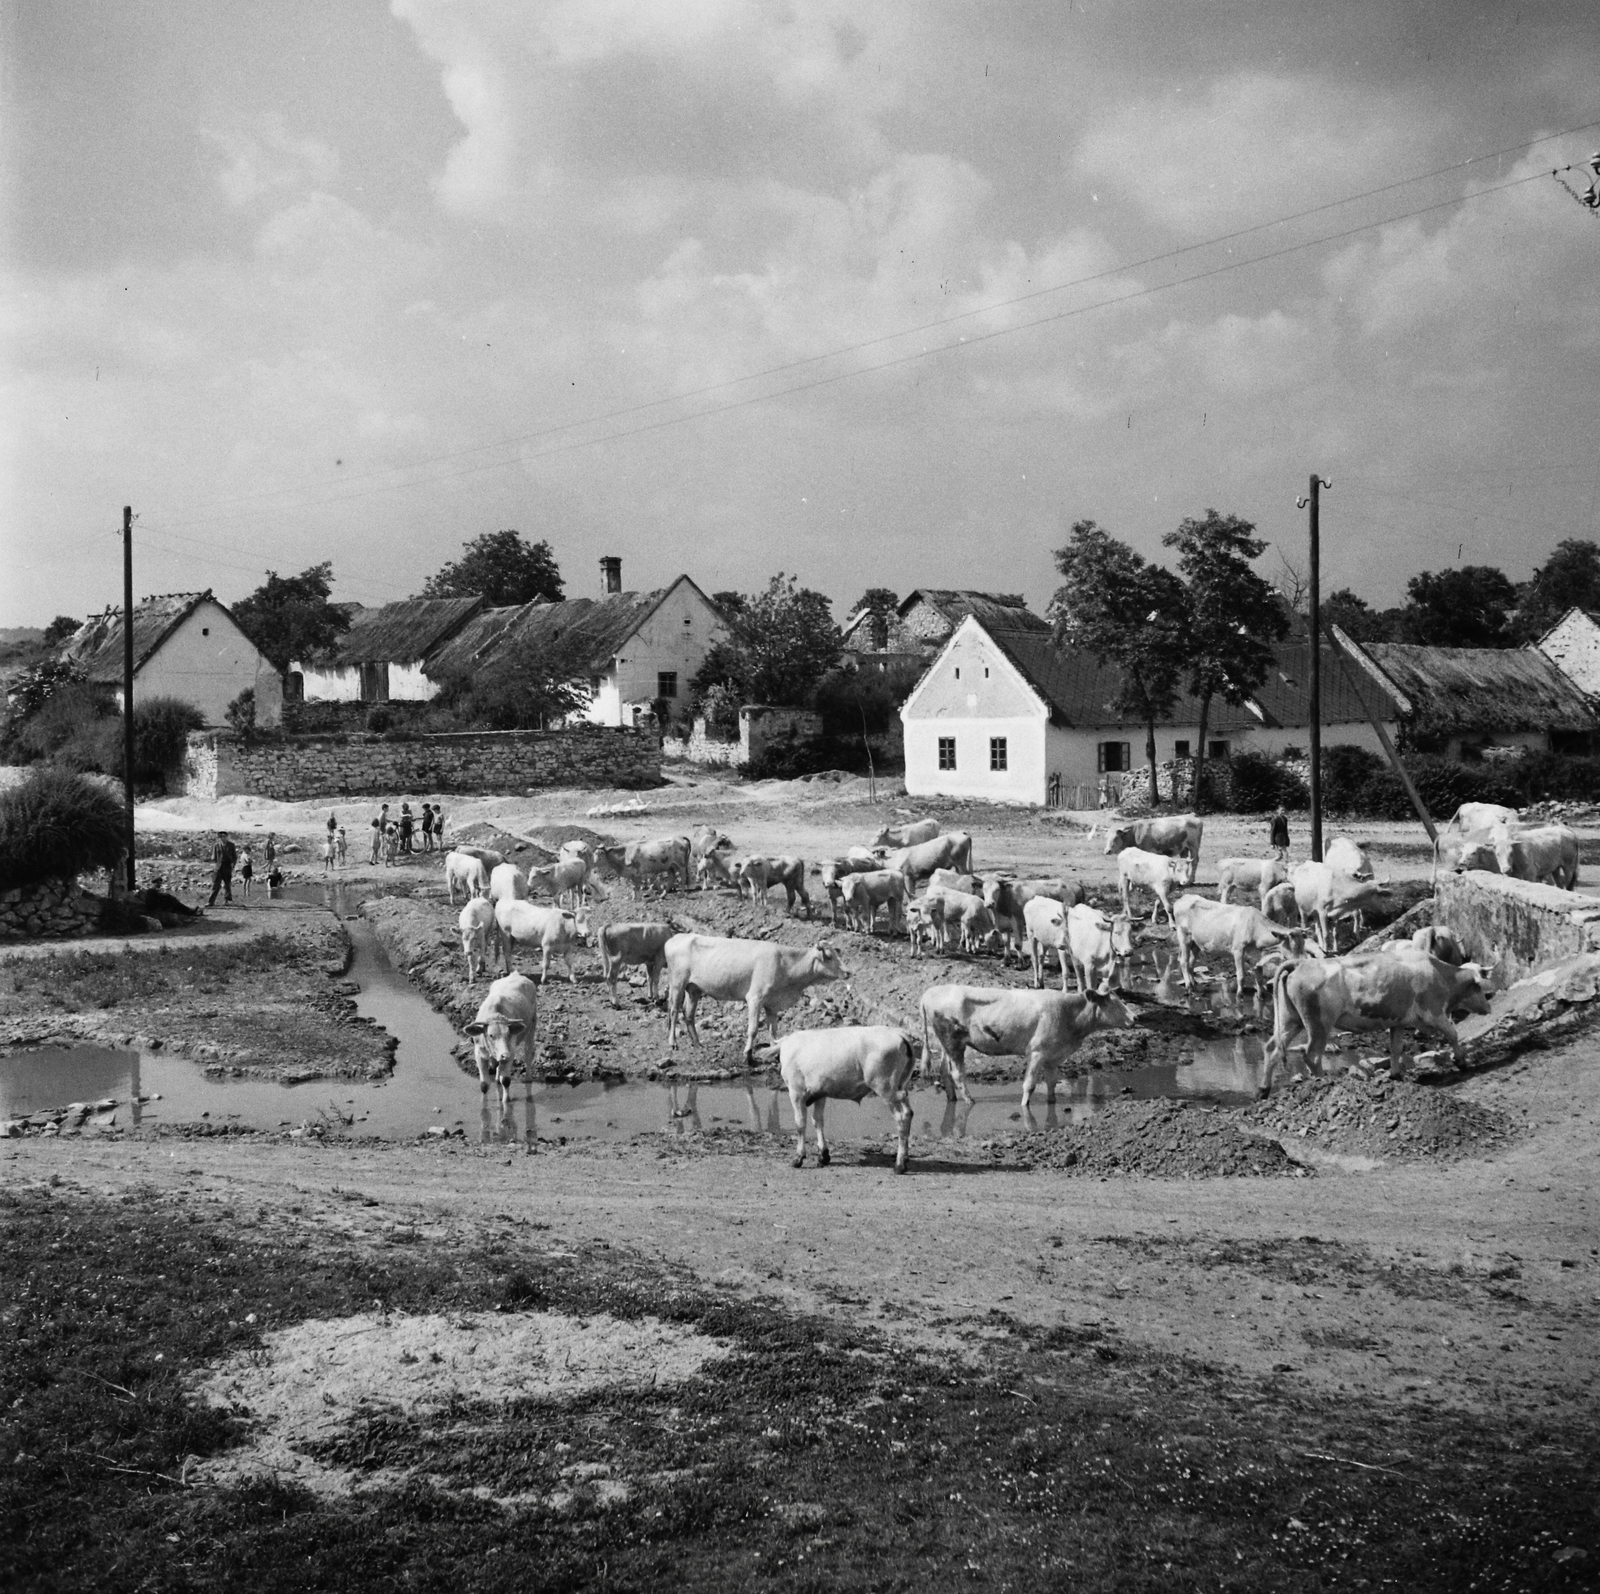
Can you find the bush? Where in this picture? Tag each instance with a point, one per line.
(161, 727)
(1260, 784)
(1346, 769)
(241, 714)
(845, 698)
(56, 824)
(790, 760)
(379, 720)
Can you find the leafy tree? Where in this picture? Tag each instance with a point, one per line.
(1569, 577)
(531, 691)
(29, 690)
(864, 701)
(1355, 617)
(731, 603)
(880, 603)
(59, 630)
(1130, 614)
(782, 642)
(1234, 615)
(502, 568)
(1466, 607)
(293, 617)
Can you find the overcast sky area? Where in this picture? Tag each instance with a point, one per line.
(886, 292)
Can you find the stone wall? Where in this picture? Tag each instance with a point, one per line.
(760, 727)
(701, 746)
(296, 767)
(1516, 924)
(48, 907)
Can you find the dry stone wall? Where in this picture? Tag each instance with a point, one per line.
(297, 767)
(48, 907)
(1518, 925)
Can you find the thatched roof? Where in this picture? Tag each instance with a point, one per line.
(1453, 691)
(1003, 611)
(403, 632)
(96, 646)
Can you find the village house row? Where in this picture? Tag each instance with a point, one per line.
(1000, 712)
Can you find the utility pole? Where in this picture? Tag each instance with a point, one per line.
(127, 685)
(1312, 501)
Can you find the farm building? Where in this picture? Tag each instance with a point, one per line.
(1572, 644)
(926, 619)
(1281, 705)
(631, 648)
(1459, 701)
(185, 645)
(380, 658)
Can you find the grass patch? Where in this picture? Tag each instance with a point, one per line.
(814, 1456)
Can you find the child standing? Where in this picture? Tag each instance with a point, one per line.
(271, 852)
(328, 853)
(1279, 836)
(377, 839)
(343, 846)
(247, 868)
(427, 828)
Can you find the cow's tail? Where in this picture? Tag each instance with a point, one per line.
(1278, 1047)
(927, 1047)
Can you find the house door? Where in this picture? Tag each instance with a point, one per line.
(375, 683)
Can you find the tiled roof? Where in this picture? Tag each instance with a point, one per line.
(1285, 696)
(96, 645)
(403, 632)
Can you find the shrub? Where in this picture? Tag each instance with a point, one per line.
(809, 756)
(241, 714)
(56, 824)
(1261, 784)
(161, 727)
(846, 698)
(379, 719)
(1346, 769)
(70, 712)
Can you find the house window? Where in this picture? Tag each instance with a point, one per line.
(595, 684)
(667, 683)
(1114, 757)
(947, 752)
(997, 753)
(294, 687)
(1180, 749)
(958, 672)
(1216, 749)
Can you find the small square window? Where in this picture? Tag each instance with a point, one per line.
(667, 683)
(997, 753)
(1114, 757)
(1216, 749)
(1180, 749)
(947, 752)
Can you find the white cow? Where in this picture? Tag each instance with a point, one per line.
(549, 929)
(953, 851)
(1177, 837)
(1100, 947)
(1224, 930)
(908, 834)
(1254, 875)
(1347, 856)
(630, 946)
(835, 871)
(768, 978)
(1541, 852)
(1322, 893)
(478, 928)
(504, 1033)
(761, 874)
(507, 883)
(863, 894)
(849, 1063)
(961, 913)
(568, 879)
(469, 873)
(1155, 872)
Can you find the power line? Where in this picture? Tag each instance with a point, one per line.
(947, 321)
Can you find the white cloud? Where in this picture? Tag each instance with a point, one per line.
(268, 159)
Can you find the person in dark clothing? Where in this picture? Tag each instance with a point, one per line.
(427, 827)
(407, 824)
(223, 857)
(1279, 836)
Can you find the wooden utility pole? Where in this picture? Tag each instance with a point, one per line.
(127, 685)
(1312, 502)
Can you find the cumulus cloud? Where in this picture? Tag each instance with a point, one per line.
(267, 159)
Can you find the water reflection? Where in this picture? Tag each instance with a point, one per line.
(502, 1128)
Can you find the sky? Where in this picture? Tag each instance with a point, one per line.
(877, 293)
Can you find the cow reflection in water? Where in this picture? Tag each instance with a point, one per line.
(497, 1127)
(688, 1108)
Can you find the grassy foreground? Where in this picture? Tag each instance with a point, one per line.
(816, 1456)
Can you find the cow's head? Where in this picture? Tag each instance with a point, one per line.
(1118, 837)
(1469, 990)
(883, 837)
(1105, 1011)
(1122, 935)
(576, 926)
(825, 964)
(1476, 855)
(493, 1039)
(1439, 942)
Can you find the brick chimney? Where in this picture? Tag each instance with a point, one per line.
(611, 574)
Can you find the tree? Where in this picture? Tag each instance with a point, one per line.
(1130, 614)
(1467, 607)
(1355, 617)
(731, 603)
(293, 617)
(880, 603)
(781, 643)
(59, 630)
(1234, 615)
(1569, 578)
(502, 568)
(528, 692)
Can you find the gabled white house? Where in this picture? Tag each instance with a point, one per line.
(185, 645)
(380, 658)
(1572, 644)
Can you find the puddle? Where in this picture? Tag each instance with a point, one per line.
(428, 1090)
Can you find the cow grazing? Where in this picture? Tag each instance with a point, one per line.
(504, 1033)
(1157, 873)
(864, 894)
(1347, 856)
(1391, 991)
(1006, 900)
(910, 834)
(1255, 876)
(507, 883)
(1100, 947)
(768, 978)
(1224, 930)
(477, 924)
(1043, 1027)
(848, 1064)
(549, 929)
(463, 871)
(1322, 893)
(1177, 837)
(1436, 941)
(953, 851)
(487, 856)
(625, 946)
(664, 862)
(761, 874)
(1547, 853)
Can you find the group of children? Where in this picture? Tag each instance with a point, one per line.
(397, 838)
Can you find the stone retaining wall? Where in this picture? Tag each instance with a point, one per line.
(49, 907)
(1521, 926)
(296, 767)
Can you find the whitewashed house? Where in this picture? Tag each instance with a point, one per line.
(185, 645)
(1572, 644)
(630, 649)
(380, 658)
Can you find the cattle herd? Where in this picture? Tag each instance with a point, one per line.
(1291, 920)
